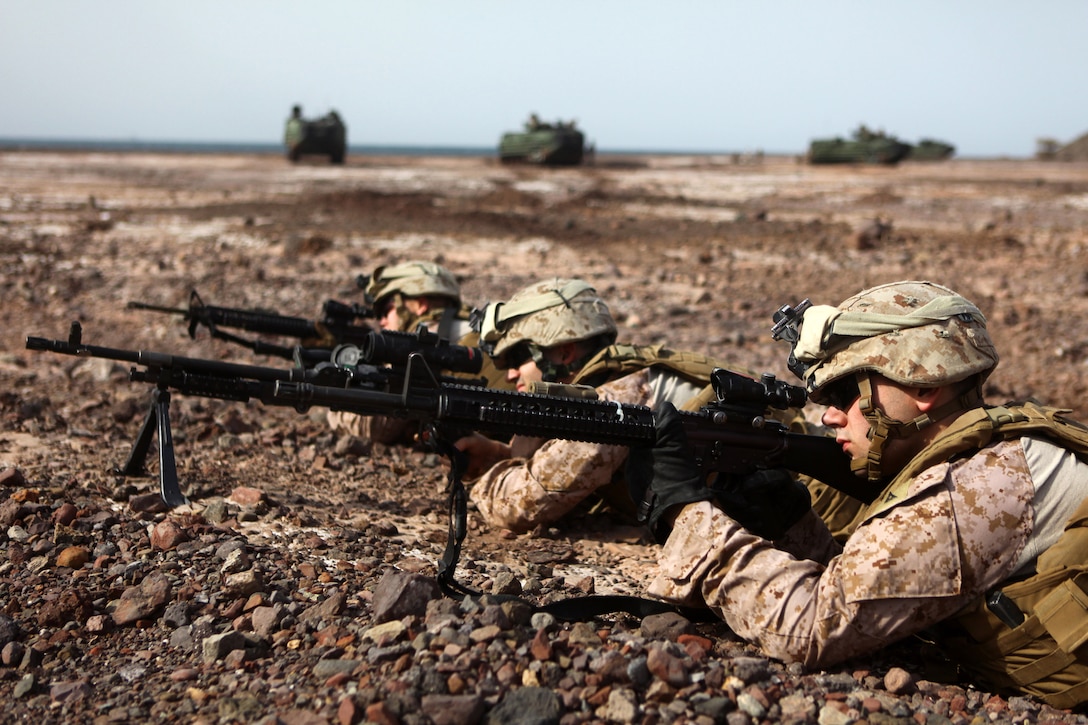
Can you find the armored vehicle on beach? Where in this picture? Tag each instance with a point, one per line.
(325, 136)
(929, 149)
(550, 144)
(866, 147)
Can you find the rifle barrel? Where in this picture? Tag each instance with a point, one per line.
(166, 361)
(158, 308)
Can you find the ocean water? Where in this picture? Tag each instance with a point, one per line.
(206, 147)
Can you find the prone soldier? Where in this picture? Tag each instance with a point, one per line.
(405, 296)
(977, 532)
(561, 331)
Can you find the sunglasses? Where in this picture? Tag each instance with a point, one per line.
(842, 393)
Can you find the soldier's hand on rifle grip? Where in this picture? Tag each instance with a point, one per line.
(766, 503)
(662, 478)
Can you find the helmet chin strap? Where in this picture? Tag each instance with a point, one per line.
(883, 428)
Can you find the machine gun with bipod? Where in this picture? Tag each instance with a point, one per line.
(380, 364)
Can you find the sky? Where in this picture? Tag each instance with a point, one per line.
(989, 76)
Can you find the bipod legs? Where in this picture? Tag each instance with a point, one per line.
(157, 422)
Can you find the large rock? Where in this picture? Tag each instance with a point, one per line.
(400, 594)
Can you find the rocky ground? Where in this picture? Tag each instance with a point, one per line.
(297, 584)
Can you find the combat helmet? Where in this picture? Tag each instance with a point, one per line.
(412, 279)
(543, 315)
(915, 333)
(390, 285)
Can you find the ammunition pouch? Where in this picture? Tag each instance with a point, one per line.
(1046, 654)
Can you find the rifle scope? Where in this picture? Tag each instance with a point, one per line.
(333, 311)
(736, 389)
(389, 347)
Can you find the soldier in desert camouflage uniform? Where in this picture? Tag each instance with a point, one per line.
(561, 331)
(404, 297)
(977, 533)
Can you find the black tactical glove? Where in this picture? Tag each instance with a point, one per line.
(767, 503)
(664, 475)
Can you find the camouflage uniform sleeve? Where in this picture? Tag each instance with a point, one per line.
(957, 534)
(810, 538)
(521, 493)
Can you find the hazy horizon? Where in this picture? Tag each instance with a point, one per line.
(700, 76)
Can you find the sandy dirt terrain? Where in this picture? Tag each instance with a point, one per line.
(695, 251)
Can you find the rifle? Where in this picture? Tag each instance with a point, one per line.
(380, 364)
(731, 436)
(336, 325)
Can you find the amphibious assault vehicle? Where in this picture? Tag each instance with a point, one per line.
(558, 144)
(866, 147)
(325, 136)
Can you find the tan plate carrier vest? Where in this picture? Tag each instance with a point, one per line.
(616, 361)
(1045, 655)
(620, 360)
